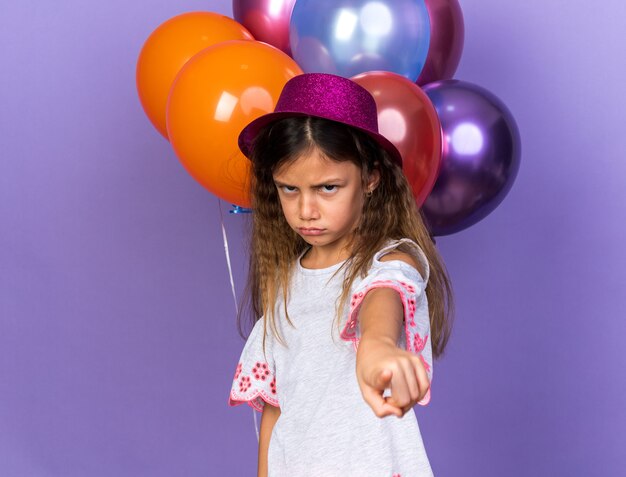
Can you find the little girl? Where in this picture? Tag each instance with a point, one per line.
(350, 298)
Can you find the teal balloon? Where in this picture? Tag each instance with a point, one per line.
(349, 37)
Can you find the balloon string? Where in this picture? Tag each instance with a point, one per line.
(232, 287)
(227, 253)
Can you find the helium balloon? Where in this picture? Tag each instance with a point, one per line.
(169, 47)
(481, 155)
(408, 119)
(360, 36)
(218, 92)
(267, 20)
(446, 40)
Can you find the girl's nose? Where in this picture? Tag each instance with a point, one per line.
(308, 207)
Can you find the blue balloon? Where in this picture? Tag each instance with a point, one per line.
(349, 37)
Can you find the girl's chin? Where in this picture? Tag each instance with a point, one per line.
(315, 241)
(324, 242)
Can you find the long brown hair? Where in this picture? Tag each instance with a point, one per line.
(389, 213)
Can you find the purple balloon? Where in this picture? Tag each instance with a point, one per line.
(447, 33)
(481, 155)
(267, 20)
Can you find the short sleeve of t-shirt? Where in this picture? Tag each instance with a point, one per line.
(411, 287)
(254, 382)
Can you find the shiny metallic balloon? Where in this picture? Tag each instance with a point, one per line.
(267, 20)
(349, 37)
(481, 155)
(408, 119)
(447, 33)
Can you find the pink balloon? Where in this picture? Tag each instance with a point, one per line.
(267, 20)
(447, 32)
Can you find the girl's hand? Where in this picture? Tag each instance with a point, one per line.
(380, 364)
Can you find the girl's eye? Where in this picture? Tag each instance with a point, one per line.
(329, 188)
(288, 189)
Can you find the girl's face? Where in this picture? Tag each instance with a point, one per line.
(322, 201)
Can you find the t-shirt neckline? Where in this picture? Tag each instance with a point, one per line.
(317, 271)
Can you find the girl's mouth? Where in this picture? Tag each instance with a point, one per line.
(310, 231)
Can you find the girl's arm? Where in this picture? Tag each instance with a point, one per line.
(268, 419)
(380, 362)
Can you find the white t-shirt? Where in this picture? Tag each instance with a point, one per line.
(325, 428)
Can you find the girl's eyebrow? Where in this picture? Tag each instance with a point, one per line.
(282, 184)
(333, 181)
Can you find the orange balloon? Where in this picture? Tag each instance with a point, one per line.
(215, 95)
(169, 47)
(407, 117)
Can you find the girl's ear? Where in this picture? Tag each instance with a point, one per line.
(373, 180)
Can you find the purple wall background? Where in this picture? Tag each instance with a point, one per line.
(117, 336)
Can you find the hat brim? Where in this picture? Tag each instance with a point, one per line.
(249, 133)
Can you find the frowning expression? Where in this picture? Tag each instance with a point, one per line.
(322, 199)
